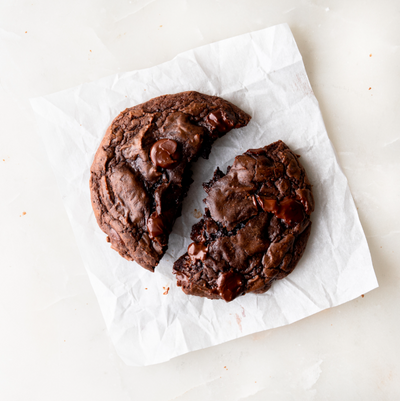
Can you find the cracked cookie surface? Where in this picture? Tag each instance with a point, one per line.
(255, 227)
(141, 170)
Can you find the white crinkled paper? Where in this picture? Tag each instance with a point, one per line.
(262, 73)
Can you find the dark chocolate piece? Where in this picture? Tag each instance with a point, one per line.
(255, 228)
(164, 153)
(141, 171)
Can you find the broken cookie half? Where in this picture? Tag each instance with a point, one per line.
(255, 227)
(141, 170)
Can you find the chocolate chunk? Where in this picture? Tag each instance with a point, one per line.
(230, 285)
(164, 153)
(155, 226)
(290, 210)
(141, 170)
(255, 231)
(221, 120)
(197, 251)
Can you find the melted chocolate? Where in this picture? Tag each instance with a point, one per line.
(268, 205)
(256, 152)
(230, 285)
(219, 121)
(288, 209)
(156, 226)
(165, 153)
(197, 251)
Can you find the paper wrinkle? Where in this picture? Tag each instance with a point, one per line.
(57, 301)
(184, 395)
(138, 5)
(389, 234)
(263, 73)
(9, 34)
(311, 375)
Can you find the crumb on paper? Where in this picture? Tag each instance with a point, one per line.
(362, 295)
(197, 213)
(160, 26)
(369, 88)
(145, 288)
(370, 55)
(166, 289)
(90, 51)
(239, 321)
(26, 31)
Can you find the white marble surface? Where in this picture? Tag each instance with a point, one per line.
(53, 344)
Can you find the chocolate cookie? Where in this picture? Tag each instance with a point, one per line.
(255, 227)
(141, 171)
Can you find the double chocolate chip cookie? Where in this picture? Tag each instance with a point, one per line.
(255, 227)
(141, 171)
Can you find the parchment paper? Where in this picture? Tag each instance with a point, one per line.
(263, 73)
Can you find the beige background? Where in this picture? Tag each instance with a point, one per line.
(53, 342)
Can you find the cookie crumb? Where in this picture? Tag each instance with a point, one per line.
(197, 213)
(160, 26)
(145, 288)
(362, 295)
(26, 31)
(166, 289)
(370, 55)
(369, 88)
(23, 213)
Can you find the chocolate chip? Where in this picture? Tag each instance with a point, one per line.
(290, 210)
(197, 251)
(165, 153)
(156, 226)
(220, 121)
(230, 285)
